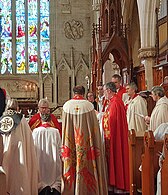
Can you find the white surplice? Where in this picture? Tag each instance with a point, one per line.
(136, 106)
(19, 161)
(47, 142)
(159, 114)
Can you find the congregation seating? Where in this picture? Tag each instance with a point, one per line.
(143, 150)
(136, 149)
(164, 170)
(150, 163)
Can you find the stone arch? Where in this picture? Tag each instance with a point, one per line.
(48, 87)
(147, 18)
(81, 71)
(131, 17)
(63, 81)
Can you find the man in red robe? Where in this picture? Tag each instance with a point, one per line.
(121, 91)
(36, 121)
(116, 141)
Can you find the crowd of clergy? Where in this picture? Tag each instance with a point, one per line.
(87, 153)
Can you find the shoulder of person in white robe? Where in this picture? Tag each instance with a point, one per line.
(78, 106)
(160, 131)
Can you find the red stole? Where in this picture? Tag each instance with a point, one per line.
(126, 106)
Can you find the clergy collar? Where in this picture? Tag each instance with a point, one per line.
(134, 96)
(78, 97)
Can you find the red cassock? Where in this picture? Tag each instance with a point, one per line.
(116, 143)
(35, 122)
(121, 91)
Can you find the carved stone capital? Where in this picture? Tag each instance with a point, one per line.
(147, 53)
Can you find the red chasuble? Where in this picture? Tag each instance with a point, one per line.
(116, 144)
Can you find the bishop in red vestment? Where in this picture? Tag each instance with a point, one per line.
(36, 121)
(116, 140)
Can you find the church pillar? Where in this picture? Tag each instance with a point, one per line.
(40, 85)
(72, 71)
(147, 56)
(40, 81)
(96, 8)
(147, 53)
(54, 78)
(53, 27)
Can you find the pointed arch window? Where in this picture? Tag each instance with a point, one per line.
(24, 36)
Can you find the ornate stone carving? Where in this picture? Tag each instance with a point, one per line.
(73, 29)
(20, 88)
(147, 53)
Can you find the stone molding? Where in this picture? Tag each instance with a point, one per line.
(81, 64)
(147, 53)
(64, 65)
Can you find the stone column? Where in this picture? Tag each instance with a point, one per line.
(96, 8)
(147, 56)
(53, 62)
(54, 78)
(147, 53)
(72, 70)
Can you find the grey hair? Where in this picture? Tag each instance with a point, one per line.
(117, 76)
(43, 101)
(12, 104)
(158, 90)
(111, 86)
(133, 86)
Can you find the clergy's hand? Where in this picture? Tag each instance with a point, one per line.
(147, 120)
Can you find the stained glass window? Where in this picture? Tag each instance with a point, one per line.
(24, 36)
(162, 9)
